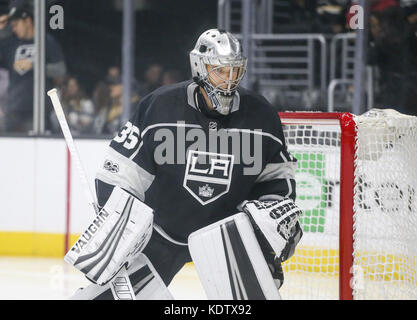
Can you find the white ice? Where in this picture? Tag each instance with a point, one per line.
(53, 279)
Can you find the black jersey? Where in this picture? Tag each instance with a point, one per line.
(20, 90)
(193, 168)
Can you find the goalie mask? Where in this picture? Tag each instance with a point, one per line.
(217, 65)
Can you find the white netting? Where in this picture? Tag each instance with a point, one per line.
(312, 273)
(385, 207)
(385, 220)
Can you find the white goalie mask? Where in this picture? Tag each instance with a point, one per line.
(217, 64)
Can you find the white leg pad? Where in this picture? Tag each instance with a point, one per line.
(146, 283)
(230, 263)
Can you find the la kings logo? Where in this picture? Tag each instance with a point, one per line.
(24, 52)
(208, 175)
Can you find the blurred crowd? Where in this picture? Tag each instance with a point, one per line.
(392, 51)
(97, 112)
(101, 112)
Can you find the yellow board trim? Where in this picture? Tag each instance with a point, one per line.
(34, 244)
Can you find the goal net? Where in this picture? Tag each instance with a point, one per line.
(356, 184)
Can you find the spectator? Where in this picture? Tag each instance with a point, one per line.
(102, 99)
(102, 102)
(381, 5)
(152, 79)
(5, 32)
(295, 16)
(411, 21)
(411, 12)
(411, 16)
(5, 29)
(108, 120)
(331, 16)
(391, 51)
(113, 73)
(17, 54)
(375, 7)
(79, 109)
(171, 77)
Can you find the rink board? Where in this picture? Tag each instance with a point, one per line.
(34, 194)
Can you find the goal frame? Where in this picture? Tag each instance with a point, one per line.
(347, 170)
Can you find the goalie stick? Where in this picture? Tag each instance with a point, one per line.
(122, 277)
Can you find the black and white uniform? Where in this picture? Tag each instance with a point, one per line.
(167, 157)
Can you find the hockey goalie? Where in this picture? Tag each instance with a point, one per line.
(201, 173)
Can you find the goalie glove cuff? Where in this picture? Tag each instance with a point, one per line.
(278, 222)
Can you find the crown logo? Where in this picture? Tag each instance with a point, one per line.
(206, 191)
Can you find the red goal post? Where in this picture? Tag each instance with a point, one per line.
(347, 154)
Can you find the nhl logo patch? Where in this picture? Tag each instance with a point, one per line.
(208, 175)
(213, 125)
